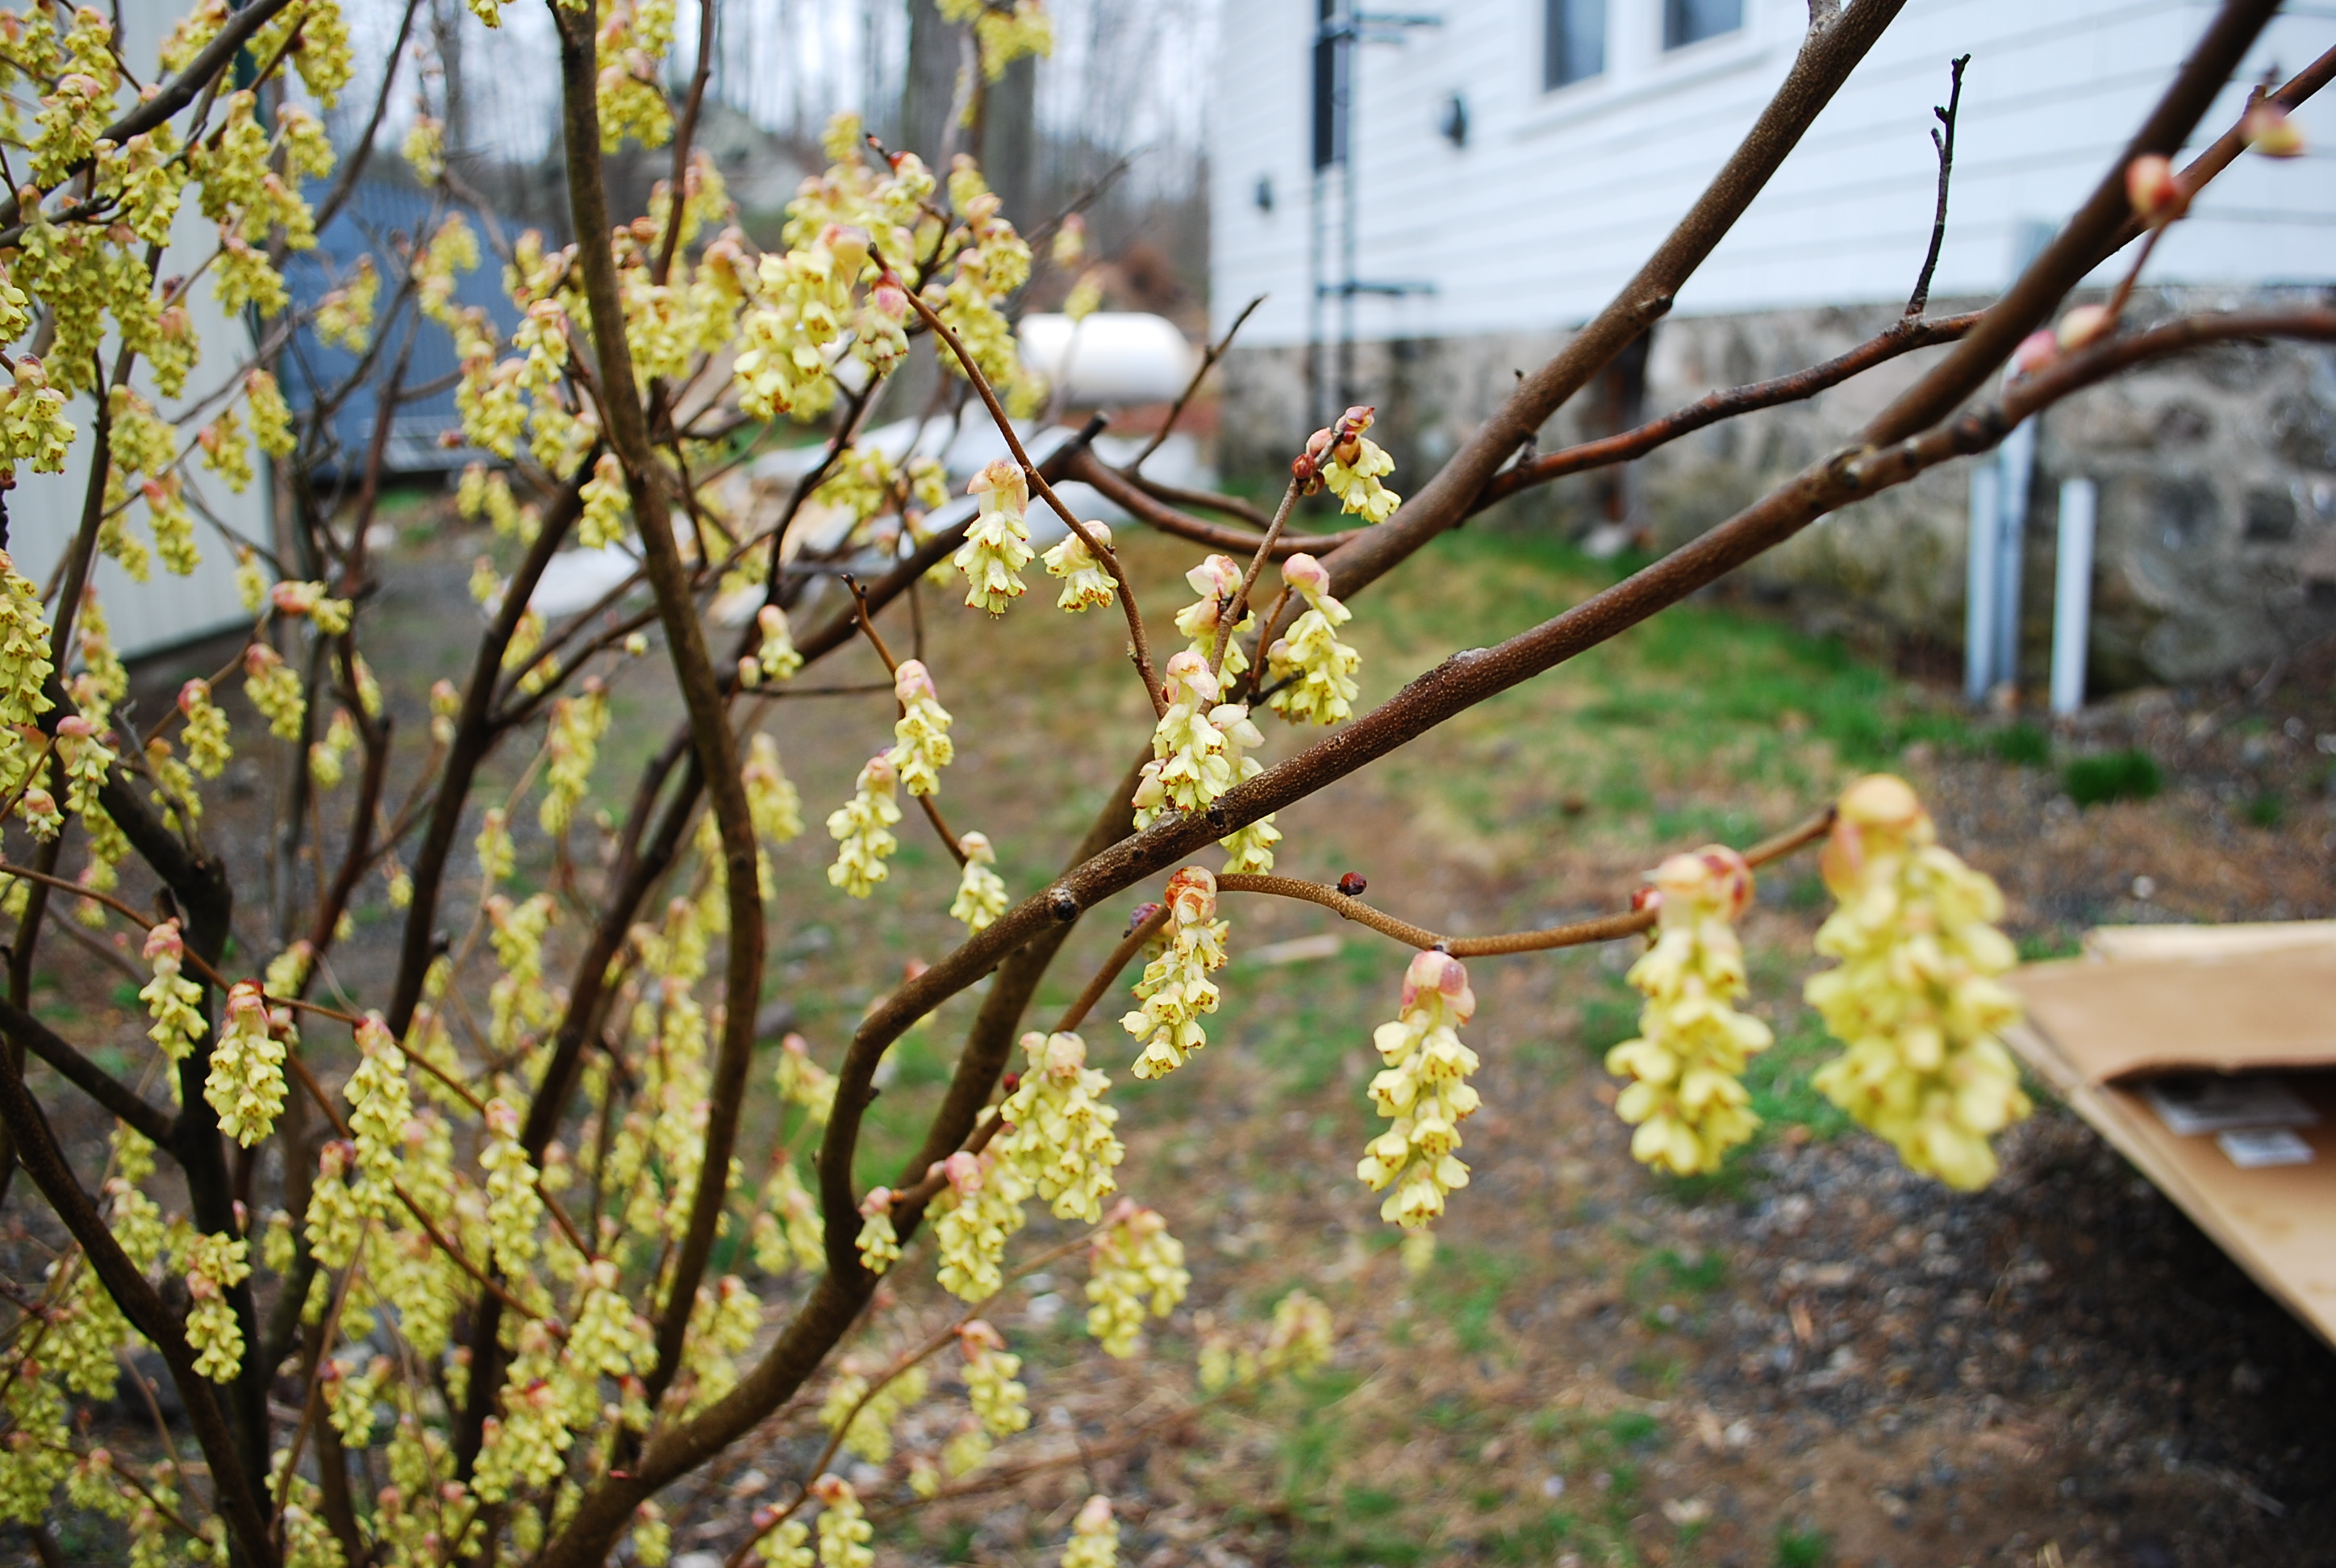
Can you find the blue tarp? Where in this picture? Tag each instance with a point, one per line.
(380, 219)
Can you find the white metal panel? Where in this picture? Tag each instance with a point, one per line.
(1558, 196)
(45, 510)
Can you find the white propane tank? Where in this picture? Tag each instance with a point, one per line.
(1108, 357)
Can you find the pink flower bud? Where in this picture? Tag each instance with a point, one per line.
(194, 695)
(74, 727)
(2151, 186)
(2036, 351)
(1192, 895)
(878, 1201)
(1093, 1514)
(911, 681)
(2086, 324)
(164, 941)
(2270, 131)
(1305, 574)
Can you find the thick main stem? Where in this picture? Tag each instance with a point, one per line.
(716, 747)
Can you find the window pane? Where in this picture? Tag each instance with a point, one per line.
(1574, 46)
(1693, 21)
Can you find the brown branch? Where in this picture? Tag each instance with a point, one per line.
(684, 137)
(1902, 337)
(1574, 934)
(473, 738)
(1205, 500)
(1146, 509)
(28, 1033)
(701, 695)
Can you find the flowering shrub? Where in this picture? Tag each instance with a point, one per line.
(480, 1230)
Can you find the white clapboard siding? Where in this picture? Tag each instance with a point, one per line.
(1559, 195)
(45, 510)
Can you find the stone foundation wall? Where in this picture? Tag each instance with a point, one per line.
(2217, 543)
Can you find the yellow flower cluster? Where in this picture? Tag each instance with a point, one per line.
(1299, 1341)
(999, 1403)
(787, 1228)
(274, 688)
(1094, 1536)
(843, 1528)
(572, 744)
(772, 799)
(1176, 991)
(981, 1208)
(345, 314)
(997, 545)
(170, 996)
(980, 891)
(1349, 466)
(777, 659)
(1198, 746)
(922, 746)
(865, 1417)
(1424, 1092)
(214, 1265)
(1686, 1097)
(245, 1084)
(1915, 999)
(1135, 1266)
(1004, 33)
(1086, 582)
(1058, 1132)
(1313, 671)
(879, 1243)
(862, 827)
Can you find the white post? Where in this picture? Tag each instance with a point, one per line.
(1979, 589)
(2072, 596)
(2018, 456)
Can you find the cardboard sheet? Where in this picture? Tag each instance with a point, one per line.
(2159, 999)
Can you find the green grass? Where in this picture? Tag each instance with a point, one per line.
(2266, 810)
(2116, 775)
(2025, 744)
(1802, 1547)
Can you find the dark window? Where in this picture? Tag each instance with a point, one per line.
(1331, 44)
(1574, 46)
(1688, 21)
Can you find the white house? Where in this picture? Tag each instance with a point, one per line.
(1511, 162)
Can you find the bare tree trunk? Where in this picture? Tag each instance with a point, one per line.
(931, 84)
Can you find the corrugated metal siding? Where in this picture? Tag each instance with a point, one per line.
(1558, 196)
(379, 216)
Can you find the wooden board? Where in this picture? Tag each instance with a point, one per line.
(2213, 999)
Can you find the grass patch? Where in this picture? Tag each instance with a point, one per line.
(2045, 946)
(2116, 775)
(2266, 810)
(2022, 744)
(1799, 1547)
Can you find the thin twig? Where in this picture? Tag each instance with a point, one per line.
(1139, 643)
(1577, 934)
(1944, 141)
(1209, 358)
(1139, 933)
